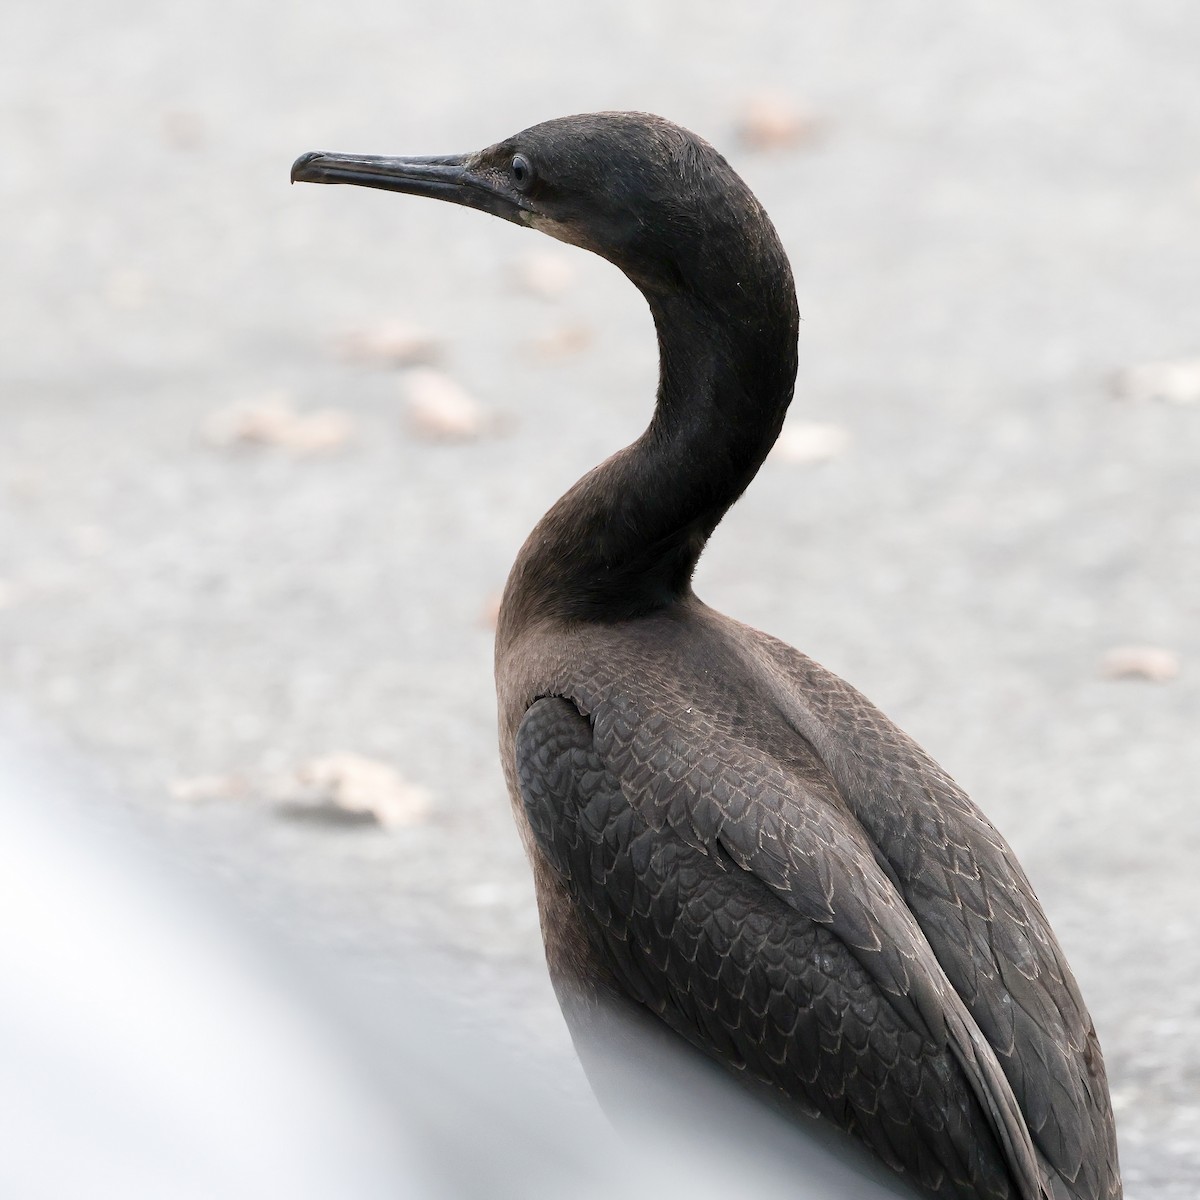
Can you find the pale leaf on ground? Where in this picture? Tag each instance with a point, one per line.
(773, 122)
(127, 289)
(439, 408)
(357, 785)
(1172, 382)
(545, 275)
(26, 483)
(91, 540)
(489, 614)
(1141, 662)
(564, 342)
(183, 130)
(807, 442)
(209, 787)
(273, 421)
(390, 344)
(335, 788)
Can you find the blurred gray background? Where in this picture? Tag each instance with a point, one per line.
(992, 210)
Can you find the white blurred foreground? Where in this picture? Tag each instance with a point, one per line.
(151, 1047)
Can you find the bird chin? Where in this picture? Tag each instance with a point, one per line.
(559, 230)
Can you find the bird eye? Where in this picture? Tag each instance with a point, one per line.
(521, 170)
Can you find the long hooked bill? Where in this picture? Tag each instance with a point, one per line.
(445, 177)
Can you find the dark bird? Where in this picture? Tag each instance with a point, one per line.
(722, 833)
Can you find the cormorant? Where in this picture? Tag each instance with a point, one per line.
(721, 831)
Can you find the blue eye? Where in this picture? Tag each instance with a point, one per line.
(521, 170)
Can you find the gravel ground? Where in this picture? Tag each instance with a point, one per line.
(999, 209)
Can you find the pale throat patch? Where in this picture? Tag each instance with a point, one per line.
(548, 225)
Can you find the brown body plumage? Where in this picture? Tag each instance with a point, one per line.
(722, 833)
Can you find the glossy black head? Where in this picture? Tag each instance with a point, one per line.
(647, 195)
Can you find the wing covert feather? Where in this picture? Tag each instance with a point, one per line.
(979, 912)
(764, 952)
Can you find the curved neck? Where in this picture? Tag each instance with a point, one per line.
(625, 539)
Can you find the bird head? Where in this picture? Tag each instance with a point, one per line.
(651, 197)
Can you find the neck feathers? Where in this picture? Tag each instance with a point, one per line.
(624, 541)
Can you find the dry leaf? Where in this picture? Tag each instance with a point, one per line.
(356, 787)
(127, 289)
(545, 275)
(26, 483)
(1175, 382)
(336, 788)
(772, 122)
(805, 442)
(272, 421)
(183, 130)
(208, 787)
(560, 343)
(91, 540)
(439, 408)
(390, 344)
(489, 615)
(1141, 662)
